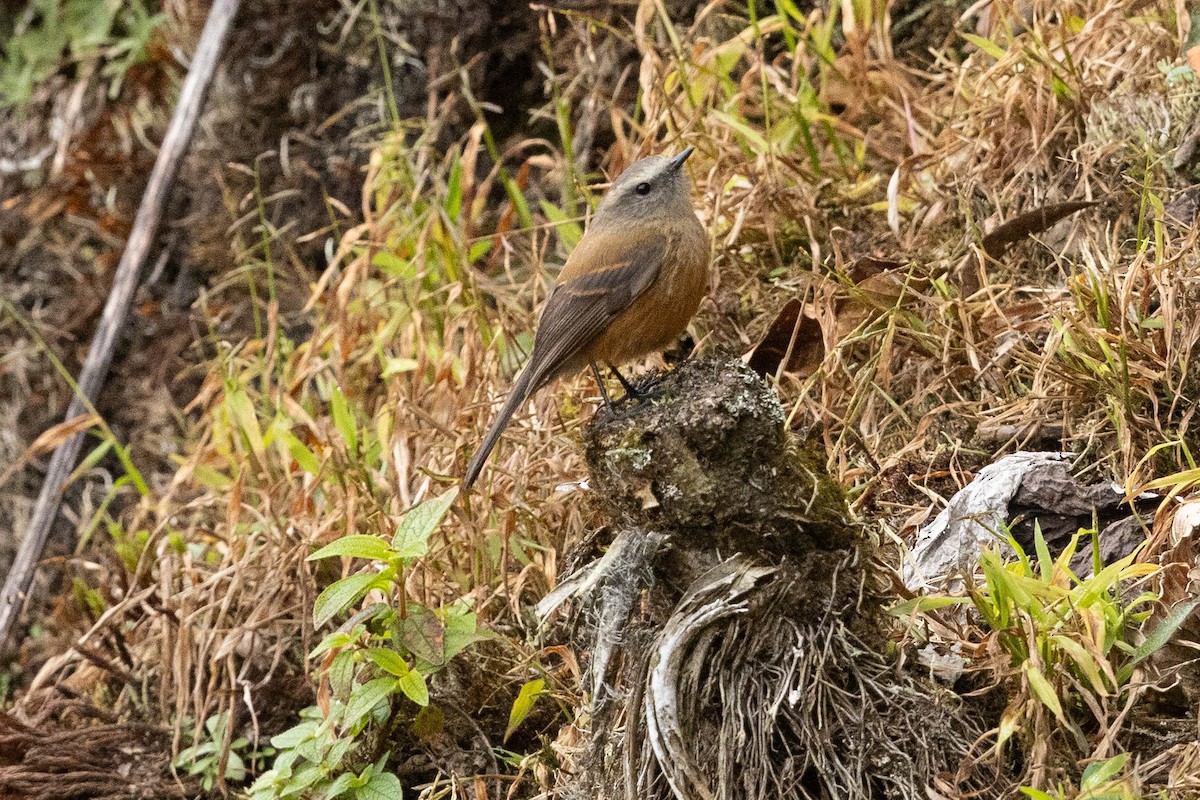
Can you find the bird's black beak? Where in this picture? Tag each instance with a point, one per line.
(677, 161)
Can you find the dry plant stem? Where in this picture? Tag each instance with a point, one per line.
(95, 368)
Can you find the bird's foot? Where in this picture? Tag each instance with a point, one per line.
(635, 393)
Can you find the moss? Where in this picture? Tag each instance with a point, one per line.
(705, 459)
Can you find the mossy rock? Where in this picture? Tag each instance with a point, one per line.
(704, 457)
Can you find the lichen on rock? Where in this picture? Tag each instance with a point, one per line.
(704, 455)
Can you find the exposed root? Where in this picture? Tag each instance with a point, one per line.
(126, 761)
(743, 700)
(746, 674)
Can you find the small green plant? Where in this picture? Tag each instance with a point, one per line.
(384, 654)
(310, 754)
(1068, 638)
(1070, 644)
(204, 758)
(1101, 780)
(53, 30)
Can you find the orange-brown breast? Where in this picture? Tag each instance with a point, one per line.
(657, 316)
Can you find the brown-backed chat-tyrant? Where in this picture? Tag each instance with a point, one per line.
(628, 288)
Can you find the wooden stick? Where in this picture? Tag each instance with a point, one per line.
(95, 368)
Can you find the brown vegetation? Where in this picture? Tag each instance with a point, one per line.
(344, 346)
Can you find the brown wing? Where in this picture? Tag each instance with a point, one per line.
(600, 280)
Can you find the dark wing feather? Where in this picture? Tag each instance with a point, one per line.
(581, 309)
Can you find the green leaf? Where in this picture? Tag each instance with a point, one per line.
(242, 410)
(395, 266)
(792, 10)
(363, 700)
(919, 605)
(986, 45)
(454, 194)
(397, 366)
(1159, 637)
(1084, 661)
(413, 686)
(358, 546)
(211, 479)
(340, 786)
(300, 453)
(752, 138)
(305, 776)
(1036, 794)
(89, 23)
(340, 673)
(389, 661)
(460, 630)
(294, 735)
(343, 419)
(412, 539)
(1043, 690)
(479, 250)
(337, 754)
(93, 458)
(235, 768)
(339, 639)
(517, 197)
(521, 707)
(382, 786)
(569, 230)
(1099, 773)
(338, 596)
(1045, 563)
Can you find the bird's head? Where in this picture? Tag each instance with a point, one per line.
(654, 189)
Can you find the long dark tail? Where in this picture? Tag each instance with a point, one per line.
(526, 383)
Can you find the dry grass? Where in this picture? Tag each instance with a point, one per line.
(1089, 331)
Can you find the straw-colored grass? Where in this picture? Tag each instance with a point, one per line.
(817, 148)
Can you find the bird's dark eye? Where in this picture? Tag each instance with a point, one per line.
(642, 189)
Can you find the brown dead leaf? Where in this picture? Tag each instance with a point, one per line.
(56, 435)
(50, 439)
(646, 495)
(1014, 16)
(1029, 223)
(880, 285)
(868, 267)
(324, 690)
(795, 336)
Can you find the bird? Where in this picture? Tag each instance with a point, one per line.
(629, 288)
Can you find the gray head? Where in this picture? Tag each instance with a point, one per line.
(652, 189)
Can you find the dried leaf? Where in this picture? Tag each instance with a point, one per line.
(1193, 58)
(1030, 223)
(424, 635)
(795, 335)
(880, 286)
(798, 332)
(54, 436)
(869, 266)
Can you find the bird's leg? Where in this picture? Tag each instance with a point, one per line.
(630, 392)
(600, 382)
